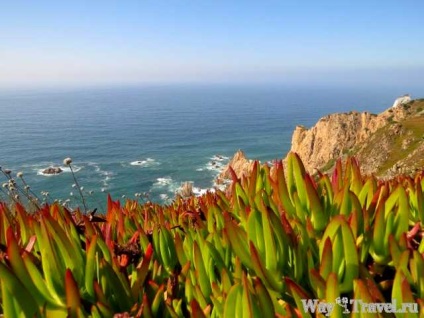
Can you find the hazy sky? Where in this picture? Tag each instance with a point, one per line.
(210, 41)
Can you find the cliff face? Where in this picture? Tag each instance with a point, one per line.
(383, 143)
(332, 136)
(386, 144)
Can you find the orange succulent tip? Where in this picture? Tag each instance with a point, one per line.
(123, 260)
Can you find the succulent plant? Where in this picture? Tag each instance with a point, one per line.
(278, 238)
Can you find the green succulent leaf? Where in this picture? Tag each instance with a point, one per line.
(12, 287)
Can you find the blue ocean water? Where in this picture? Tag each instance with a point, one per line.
(127, 140)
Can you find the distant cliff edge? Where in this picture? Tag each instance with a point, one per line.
(386, 144)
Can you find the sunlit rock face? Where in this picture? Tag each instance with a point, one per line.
(386, 144)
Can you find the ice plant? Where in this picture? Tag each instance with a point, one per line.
(279, 238)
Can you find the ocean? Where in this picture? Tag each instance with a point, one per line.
(151, 138)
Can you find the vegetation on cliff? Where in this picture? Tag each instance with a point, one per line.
(277, 237)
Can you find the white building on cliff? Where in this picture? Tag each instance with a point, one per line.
(402, 100)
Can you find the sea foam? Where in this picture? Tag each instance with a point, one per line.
(216, 163)
(166, 183)
(148, 162)
(104, 174)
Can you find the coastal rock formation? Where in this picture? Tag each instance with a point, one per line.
(332, 136)
(240, 164)
(52, 170)
(387, 144)
(383, 143)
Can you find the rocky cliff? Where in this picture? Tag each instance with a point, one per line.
(239, 163)
(385, 144)
(332, 136)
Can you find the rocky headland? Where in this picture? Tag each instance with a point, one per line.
(386, 144)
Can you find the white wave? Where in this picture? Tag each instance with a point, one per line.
(199, 191)
(104, 174)
(164, 196)
(40, 172)
(74, 168)
(166, 183)
(163, 181)
(214, 166)
(148, 162)
(219, 158)
(166, 199)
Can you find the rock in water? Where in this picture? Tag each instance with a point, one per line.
(240, 164)
(52, 170)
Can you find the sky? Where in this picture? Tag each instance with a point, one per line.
(146, 41)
